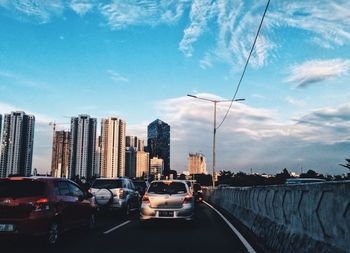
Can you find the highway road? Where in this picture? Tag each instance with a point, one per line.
(208, 233)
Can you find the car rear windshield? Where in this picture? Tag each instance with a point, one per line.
(140, 184)
(167, 188)
(107, 184)
(21, 188)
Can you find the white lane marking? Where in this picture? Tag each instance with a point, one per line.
(238, 234)
(116, 227)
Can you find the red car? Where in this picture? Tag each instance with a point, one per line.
(43, 206)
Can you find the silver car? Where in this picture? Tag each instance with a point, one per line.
(115, 194)
(167, 199)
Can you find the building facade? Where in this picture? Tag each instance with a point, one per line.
(158, 143)
(98, 156)
(196, 163)
(60, 154)
(142, 164)
(112, 147)
(82, 147)
(135, 143)
(17, 144)
(156, 166)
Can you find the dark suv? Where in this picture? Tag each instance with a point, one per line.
(43, 206)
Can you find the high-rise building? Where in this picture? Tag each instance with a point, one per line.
(196, 163)
(142, 164)
(140, 145)
(158, 143)
(60, 154)
(82, 147)
(112, 147)
(17, 144)
(0, 126)
(98, 156)
(156, 166)
(135, 143)
(130, 162)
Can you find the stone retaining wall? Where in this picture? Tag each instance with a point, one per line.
(292, 218)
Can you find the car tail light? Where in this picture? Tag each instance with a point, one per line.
(145, 198)
(41, 205)
(187, 199)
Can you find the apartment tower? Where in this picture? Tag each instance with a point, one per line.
(82, 147)
(17, 144)
(112, 147)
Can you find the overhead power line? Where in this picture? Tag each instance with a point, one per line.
(245, 66)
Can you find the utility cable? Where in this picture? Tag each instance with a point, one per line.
(245, 66)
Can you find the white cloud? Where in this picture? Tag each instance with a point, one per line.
(81, 7)
(39, 10)
(117, 77)
(253, 138)
(296, 102)
(201, 13)
(315, 71)
(120, 14)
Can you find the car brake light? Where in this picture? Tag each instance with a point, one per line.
(145, 198)
(41, 205)
(187, 199)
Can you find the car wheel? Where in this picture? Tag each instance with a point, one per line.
(53, 234)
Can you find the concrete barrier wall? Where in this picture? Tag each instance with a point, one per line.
(294, 218)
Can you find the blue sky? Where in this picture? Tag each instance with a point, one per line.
(138, 60)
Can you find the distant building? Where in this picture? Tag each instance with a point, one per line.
(112, 147)
(135, 143)
(98, 156)
(60, 154)
(156, 166)
(142, 164)
(130, 162)
(158, 143)
(82, 146)
(17, 144)
(196, 163)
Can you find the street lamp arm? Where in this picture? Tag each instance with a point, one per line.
(205, 99)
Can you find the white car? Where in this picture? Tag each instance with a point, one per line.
(167, 199)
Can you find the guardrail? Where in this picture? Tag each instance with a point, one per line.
(292, 218)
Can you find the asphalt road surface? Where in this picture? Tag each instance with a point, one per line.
(208, 233)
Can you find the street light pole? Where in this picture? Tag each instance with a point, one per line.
(215, 128)
(214, 145)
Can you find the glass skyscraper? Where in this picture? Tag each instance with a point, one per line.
(158, 143)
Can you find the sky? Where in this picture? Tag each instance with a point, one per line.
(138, 60)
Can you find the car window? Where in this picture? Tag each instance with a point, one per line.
(75, 190)
(107, 184)
(167, 188)
(132, 186)
(62, 188)
(21, 188)
(197, 187)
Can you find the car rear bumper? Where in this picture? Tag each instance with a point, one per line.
(148, 213)
(35, 226)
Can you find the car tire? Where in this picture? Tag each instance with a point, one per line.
(54, 234)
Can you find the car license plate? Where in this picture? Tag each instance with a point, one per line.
(166, 213)
(7, 227)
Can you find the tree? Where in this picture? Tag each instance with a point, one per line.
(347, 165)
(309, 174)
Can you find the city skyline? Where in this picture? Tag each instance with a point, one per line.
(79, 57)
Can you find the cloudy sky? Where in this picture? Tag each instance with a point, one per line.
(138, 59)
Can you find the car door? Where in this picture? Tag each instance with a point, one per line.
(81, 207)
(134, 194)
(64, 204)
